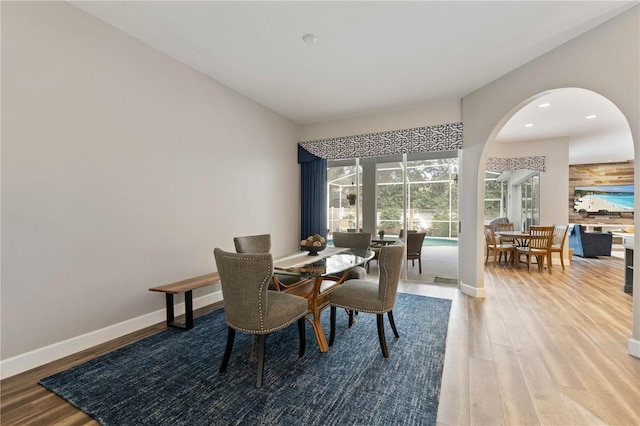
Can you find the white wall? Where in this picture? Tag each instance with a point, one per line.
(605, 60)
(122, 169)
(432, 114)
(554, 182)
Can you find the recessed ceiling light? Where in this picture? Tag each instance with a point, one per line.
(589, 117)
(544, 105)
(309, 38)
(528, 125)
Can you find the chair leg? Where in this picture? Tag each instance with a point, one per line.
(420, 265)
(332, 330)
(303, 340)
(350, 318)
(562, 260)
(261, 344)
(548, 262)
(383, 340)
(393, 324)
(231, 334)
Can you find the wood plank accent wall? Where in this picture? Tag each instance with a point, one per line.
(599, 174)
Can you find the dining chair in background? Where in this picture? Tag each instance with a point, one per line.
(414, 248)
(356, 240)
(505, 227)
(262, 244)
(557, 243)
(540, 239)
(249, 305)
(494, 245)
(366, 296)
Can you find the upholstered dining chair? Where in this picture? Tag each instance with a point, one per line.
(366, 296)
(262, 244)
(356, 240)
(250, 307)
(557, 243)
(493, 245)
(540, 239)
(414, 248)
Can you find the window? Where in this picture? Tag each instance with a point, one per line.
(343, 178)
(427, 186)
(495, 196)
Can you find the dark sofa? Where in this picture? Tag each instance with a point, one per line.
(589, 244)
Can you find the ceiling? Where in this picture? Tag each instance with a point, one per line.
(368, 57)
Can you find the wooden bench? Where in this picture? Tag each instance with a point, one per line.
(186, 287)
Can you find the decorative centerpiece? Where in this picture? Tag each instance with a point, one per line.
(313, 244)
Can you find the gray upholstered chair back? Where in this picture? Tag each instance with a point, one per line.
(390, 265)
(357, 240)
(261, 244)
(245, 281)
(253, 244)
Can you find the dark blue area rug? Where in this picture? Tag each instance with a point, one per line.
(172, 378)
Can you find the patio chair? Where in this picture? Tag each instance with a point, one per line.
(414, 248)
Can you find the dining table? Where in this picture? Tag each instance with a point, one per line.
(319, 275)
(520, 238)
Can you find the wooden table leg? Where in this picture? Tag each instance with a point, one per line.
(317, 299)
(319, 331)
(317, 302)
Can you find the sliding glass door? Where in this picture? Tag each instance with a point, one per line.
(418, 192)
(344, 195)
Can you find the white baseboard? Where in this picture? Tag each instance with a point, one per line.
(473, 291)
(24, 362)
(634, 348)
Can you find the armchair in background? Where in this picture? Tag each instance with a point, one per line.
(589, 244)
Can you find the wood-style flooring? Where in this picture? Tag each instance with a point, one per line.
(541, 348)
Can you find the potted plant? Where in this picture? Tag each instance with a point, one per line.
(352, 198)
(381, 234)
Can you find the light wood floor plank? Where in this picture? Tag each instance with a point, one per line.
(454, 393)
(484, 394)
(542, 348)
(517, 407)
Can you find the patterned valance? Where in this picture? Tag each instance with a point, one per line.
(444, 137)
(519, 163)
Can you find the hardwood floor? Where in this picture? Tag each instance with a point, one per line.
(540, 349)
(543, 349)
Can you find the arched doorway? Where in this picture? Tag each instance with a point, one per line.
(557, 152)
